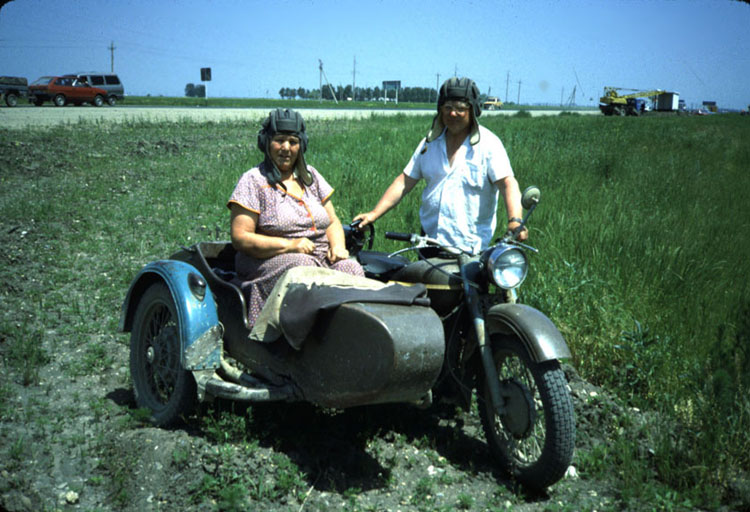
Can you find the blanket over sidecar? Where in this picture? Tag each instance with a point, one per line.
(333, 339)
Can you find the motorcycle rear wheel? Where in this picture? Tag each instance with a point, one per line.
(159, 381)
(534, 440)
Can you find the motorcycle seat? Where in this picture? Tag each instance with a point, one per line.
(379, 264)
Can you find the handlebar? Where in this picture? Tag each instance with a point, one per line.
(357, 239)
(394, 235)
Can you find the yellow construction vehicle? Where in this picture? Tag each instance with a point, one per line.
(614, 103)
(492, 103)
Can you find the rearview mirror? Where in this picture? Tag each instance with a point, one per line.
(530, 197)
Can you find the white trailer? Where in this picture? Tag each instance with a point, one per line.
(668, 102)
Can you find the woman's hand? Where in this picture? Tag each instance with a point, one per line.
(337, 254)
(301, 245)
(246, 240)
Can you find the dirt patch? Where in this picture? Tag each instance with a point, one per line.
(79, 444)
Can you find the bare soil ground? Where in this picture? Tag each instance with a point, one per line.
(80, 446)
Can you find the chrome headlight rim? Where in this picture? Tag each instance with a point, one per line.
(507, 266)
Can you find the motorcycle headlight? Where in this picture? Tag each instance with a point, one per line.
(507, 266)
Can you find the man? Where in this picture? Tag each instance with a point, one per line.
(465, 167)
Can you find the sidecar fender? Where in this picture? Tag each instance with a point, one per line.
(537, 332)
(200, 330)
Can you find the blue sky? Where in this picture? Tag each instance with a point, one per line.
(699, 48)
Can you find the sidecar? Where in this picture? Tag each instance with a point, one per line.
(322, 340)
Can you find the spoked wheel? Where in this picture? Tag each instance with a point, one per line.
(534, 439)
(159, 381)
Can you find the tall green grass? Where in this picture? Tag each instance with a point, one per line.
(643, 231)
(644, 235)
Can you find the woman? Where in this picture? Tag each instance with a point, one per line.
(282, 215)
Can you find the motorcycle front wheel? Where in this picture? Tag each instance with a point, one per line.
(159, 381)
(533, 440)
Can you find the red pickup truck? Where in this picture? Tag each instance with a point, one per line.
(62, 90)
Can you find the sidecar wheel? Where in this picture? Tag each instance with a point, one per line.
(159, 381)
(534, 440)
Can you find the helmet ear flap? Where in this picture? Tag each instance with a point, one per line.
(475, 99)
(263, 135)
(302, 132)
(262, 141)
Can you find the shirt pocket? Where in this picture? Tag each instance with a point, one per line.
(474, 176)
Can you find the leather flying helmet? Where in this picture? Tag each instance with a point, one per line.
(463, 89)
(290, 122)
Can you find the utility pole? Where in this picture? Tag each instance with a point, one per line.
(323, 74)
(320, 87)
(455, 71)
(519, 93)
(437, 88)
(112, 56)
(507, 81)
(354, 73)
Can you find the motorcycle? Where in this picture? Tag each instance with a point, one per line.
(446, 327)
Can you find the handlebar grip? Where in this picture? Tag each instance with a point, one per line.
(393, 235)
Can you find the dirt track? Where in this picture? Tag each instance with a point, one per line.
(26, 116)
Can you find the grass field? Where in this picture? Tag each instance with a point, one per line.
(643, 232)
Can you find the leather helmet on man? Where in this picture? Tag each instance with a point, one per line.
(460, 89)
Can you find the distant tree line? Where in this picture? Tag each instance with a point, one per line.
(195, 91)
(343, 93)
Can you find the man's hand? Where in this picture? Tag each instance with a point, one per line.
(365, 219)
(513, 225)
